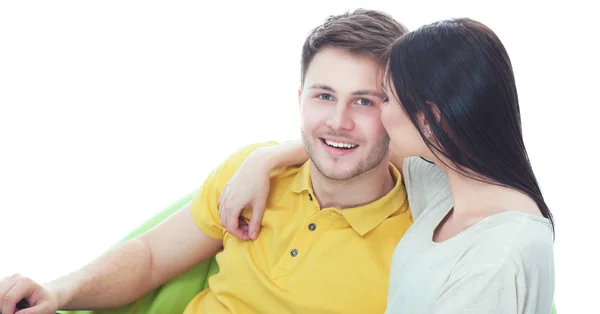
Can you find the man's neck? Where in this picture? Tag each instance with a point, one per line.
(360, 190)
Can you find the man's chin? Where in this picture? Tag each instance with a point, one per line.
(341, 175)
(336, 171)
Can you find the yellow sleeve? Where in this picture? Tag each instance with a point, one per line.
(205, 203)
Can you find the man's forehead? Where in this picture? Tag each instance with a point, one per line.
(344, 77)
(329, 62)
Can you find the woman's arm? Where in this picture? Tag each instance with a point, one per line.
(287, 154)
(249, 187)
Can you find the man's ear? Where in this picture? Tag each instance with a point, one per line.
(299, 96)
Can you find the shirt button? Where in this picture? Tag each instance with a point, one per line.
(294, 252)
(312, 227)
(309, 197)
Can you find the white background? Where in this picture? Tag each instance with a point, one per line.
(111, 110)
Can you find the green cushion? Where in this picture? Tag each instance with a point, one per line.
(174, 295)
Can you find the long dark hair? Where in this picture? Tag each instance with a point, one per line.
(458, 75)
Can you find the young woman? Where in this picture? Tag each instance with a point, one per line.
(482, 237)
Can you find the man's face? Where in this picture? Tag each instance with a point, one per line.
(340, 115)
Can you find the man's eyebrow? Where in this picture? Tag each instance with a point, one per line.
(356, 93)
(370, 93)
(321, 86)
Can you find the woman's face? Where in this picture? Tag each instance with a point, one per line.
(405, 140)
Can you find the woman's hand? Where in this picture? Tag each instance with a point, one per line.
(248, 188)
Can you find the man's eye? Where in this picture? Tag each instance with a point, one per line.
(364, 102)
(325, 97)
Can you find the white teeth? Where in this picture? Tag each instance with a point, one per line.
(340, 145)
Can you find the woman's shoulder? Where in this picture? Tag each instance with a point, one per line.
(423, 173)
(424, 182)
(513, 236)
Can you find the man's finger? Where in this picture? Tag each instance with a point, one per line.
(6, 303)
(41, 308)
(14, 295)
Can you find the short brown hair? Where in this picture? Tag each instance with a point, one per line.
(363, 32)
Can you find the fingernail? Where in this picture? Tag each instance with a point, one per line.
(253, 235)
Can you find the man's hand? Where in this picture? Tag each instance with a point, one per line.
(16, 288)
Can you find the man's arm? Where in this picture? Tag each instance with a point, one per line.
(123, 274)
(138, 266)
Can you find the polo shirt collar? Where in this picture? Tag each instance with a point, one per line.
(366, 217)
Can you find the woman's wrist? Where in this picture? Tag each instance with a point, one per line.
(287, 154)
(266, 157)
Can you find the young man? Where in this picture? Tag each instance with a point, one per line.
(329, 231)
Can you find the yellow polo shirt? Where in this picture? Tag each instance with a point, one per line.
(307, 259)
